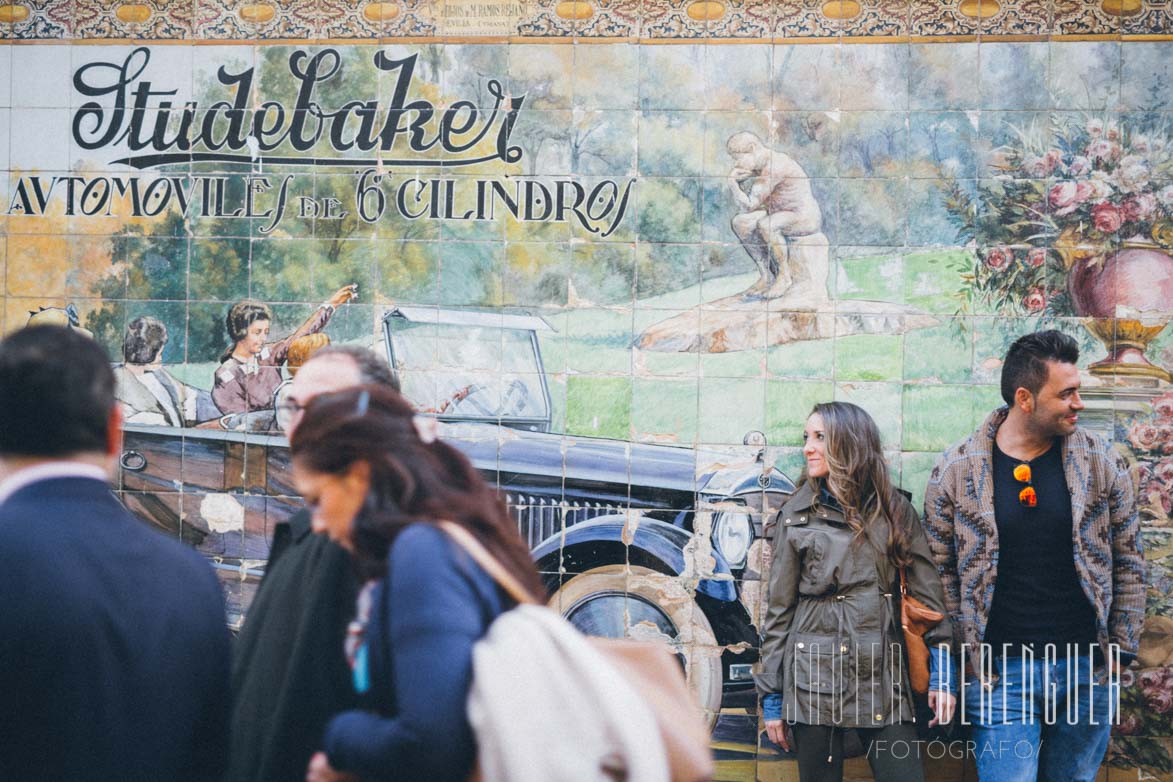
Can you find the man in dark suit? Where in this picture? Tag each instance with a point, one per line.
(114, 660)
(289, 671)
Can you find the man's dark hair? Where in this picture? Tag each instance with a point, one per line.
(1026, 361)
(143, 341)
(372, 369)
(56, 393)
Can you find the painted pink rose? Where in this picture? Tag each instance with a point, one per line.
(1035, 301)
(1152, 680)
(1129, 726)
(1053, 157)
(1164, 471)
(1080, 165)
(1160, 497)
(1100, 186)
(1139, 207)
(1132, 175)
(1036, 257)
(1107, 218)
(1095, 128)
(1036, 167)
(1112, 131)
(1163, 405)
(1064, 196)
(1102, 149)
(1144, 436)
(999, 258)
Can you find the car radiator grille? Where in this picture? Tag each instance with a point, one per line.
(540, 517)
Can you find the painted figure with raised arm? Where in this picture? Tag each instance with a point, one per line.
(250, 370)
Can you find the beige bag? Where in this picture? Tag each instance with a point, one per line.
(650, 668)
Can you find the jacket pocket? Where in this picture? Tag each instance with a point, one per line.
(819, 664)
(817, 563)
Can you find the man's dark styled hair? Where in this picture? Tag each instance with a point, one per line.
(143, 341)
(56, 393)
(1026, 361)
(372, 369)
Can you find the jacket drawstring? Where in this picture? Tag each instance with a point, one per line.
(839, 637)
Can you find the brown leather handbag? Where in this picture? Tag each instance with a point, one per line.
(916, 619)
(650, 668)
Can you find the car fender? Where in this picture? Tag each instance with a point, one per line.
(660, 540)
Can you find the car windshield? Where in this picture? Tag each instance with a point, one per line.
(463, 371)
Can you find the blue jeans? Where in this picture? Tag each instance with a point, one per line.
(1052, 728)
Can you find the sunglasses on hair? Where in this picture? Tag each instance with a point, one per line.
(1026, 496)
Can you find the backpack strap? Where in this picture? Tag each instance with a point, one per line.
(487, 561)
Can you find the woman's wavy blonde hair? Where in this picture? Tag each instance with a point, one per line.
(858, 476)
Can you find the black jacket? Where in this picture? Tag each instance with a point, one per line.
(114, 661)
(289, 669)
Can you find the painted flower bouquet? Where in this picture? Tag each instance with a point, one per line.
(1146, 711)
(1066, 193)
(1151, 437)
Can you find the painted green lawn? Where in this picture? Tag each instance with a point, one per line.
(925, 388)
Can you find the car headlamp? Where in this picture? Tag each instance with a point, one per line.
(732, 536)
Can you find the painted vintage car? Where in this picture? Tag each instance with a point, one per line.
(635, 539)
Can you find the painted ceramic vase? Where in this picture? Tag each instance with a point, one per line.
(1135, 280)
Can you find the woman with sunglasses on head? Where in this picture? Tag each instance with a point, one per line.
(832, 655)
(378, 481)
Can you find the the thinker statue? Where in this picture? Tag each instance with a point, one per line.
(779, 223)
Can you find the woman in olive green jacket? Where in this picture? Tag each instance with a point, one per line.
(832, 655)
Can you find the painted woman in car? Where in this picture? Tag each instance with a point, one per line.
(250, 370)
(832, 655)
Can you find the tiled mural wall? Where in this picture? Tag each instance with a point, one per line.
(620, 247)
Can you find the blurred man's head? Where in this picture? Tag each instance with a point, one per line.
(331, 369)
(56, 396)
(143, 341)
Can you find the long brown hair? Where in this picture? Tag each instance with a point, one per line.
(412, 481)
(858, 476)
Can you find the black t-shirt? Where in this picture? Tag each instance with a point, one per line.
(1037, 596)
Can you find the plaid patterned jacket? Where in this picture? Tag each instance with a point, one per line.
(963, 538)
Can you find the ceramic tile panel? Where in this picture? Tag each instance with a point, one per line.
(705, 217)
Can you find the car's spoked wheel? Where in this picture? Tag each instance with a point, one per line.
(614, 601)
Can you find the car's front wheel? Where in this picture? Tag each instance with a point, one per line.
(617, 601)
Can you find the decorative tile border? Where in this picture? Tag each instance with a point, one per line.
(154, 19)
(37, 19)
(667, 20)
